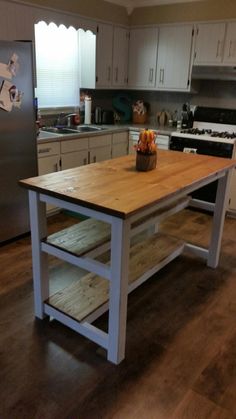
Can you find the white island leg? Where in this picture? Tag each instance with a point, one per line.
(38, 225)
(221, 205)
(120, 243)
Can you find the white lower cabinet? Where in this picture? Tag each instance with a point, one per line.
(74, 153)
(119, 144)
(100, 148)
(48, 162)
(75, 159)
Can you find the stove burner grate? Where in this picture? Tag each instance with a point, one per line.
(197, 131)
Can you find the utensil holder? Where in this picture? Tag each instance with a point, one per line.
(139, 118)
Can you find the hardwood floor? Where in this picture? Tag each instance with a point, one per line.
(181, 341)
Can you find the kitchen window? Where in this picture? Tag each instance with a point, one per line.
(57, 65)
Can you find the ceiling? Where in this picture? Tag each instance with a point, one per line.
(132, 4)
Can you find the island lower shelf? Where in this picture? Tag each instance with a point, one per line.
(88, 298)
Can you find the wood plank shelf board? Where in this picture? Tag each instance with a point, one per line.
(86, 236)
(91, 292)
(81, 238)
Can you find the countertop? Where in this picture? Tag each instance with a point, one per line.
(45, 137)
(126, 191)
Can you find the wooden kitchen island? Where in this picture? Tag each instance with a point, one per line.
(119, 244)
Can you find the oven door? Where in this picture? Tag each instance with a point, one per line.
(206, 194)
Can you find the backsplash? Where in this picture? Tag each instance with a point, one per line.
(214, 93)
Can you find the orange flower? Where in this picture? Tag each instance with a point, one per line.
(146, 143)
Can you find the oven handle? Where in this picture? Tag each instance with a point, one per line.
(190, 150)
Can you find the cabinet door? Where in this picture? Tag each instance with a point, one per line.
(142, 57)
(120, 57)
(75, 159)
(99, 154)
(87, 51)
(104, 55)
(119, 144)
(48, 164)
(119, 150)
(230, 44)
(209, 43)
(174, 57)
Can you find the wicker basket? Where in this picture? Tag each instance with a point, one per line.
(139, 118)
(146, 162)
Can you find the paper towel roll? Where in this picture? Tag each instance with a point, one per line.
(87, 110)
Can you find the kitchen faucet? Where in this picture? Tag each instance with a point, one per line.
(65, 119)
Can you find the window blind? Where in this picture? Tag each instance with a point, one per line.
(57, 65)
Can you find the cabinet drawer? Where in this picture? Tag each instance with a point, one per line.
(100, 141)
(120, 137)
(48, 149)
(74, 145)
(163, 141)
(134, 135)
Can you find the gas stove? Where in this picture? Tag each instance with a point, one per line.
(213, 133)
(211, 124)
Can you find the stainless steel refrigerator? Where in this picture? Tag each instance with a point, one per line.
(18, 149)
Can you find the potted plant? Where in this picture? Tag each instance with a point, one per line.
(146, 151)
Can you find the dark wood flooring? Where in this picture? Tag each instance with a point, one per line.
(181, 341)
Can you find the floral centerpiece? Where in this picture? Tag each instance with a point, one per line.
(146, 151)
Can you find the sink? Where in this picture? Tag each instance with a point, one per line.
(56, 130)
(78, 129)
(87, 128)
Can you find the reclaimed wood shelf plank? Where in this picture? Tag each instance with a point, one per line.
(87, 235)
(81, 238)
(91, 292)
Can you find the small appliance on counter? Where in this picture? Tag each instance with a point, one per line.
(187, 116)
(107, 117)
(87, 109)
(98, 115)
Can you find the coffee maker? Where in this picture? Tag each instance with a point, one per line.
(187, 116)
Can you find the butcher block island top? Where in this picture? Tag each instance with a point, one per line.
(119, 244)
(115, 187)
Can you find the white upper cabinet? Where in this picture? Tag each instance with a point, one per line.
(104, 55)
(230, 44)
(209, 45)
(87, 62)
(142, 57)
(112, 56)
(174, 57)
(120, 57)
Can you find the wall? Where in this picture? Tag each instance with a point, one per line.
(185, 12)
(90, 8)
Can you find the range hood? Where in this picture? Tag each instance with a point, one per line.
(202, 72)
